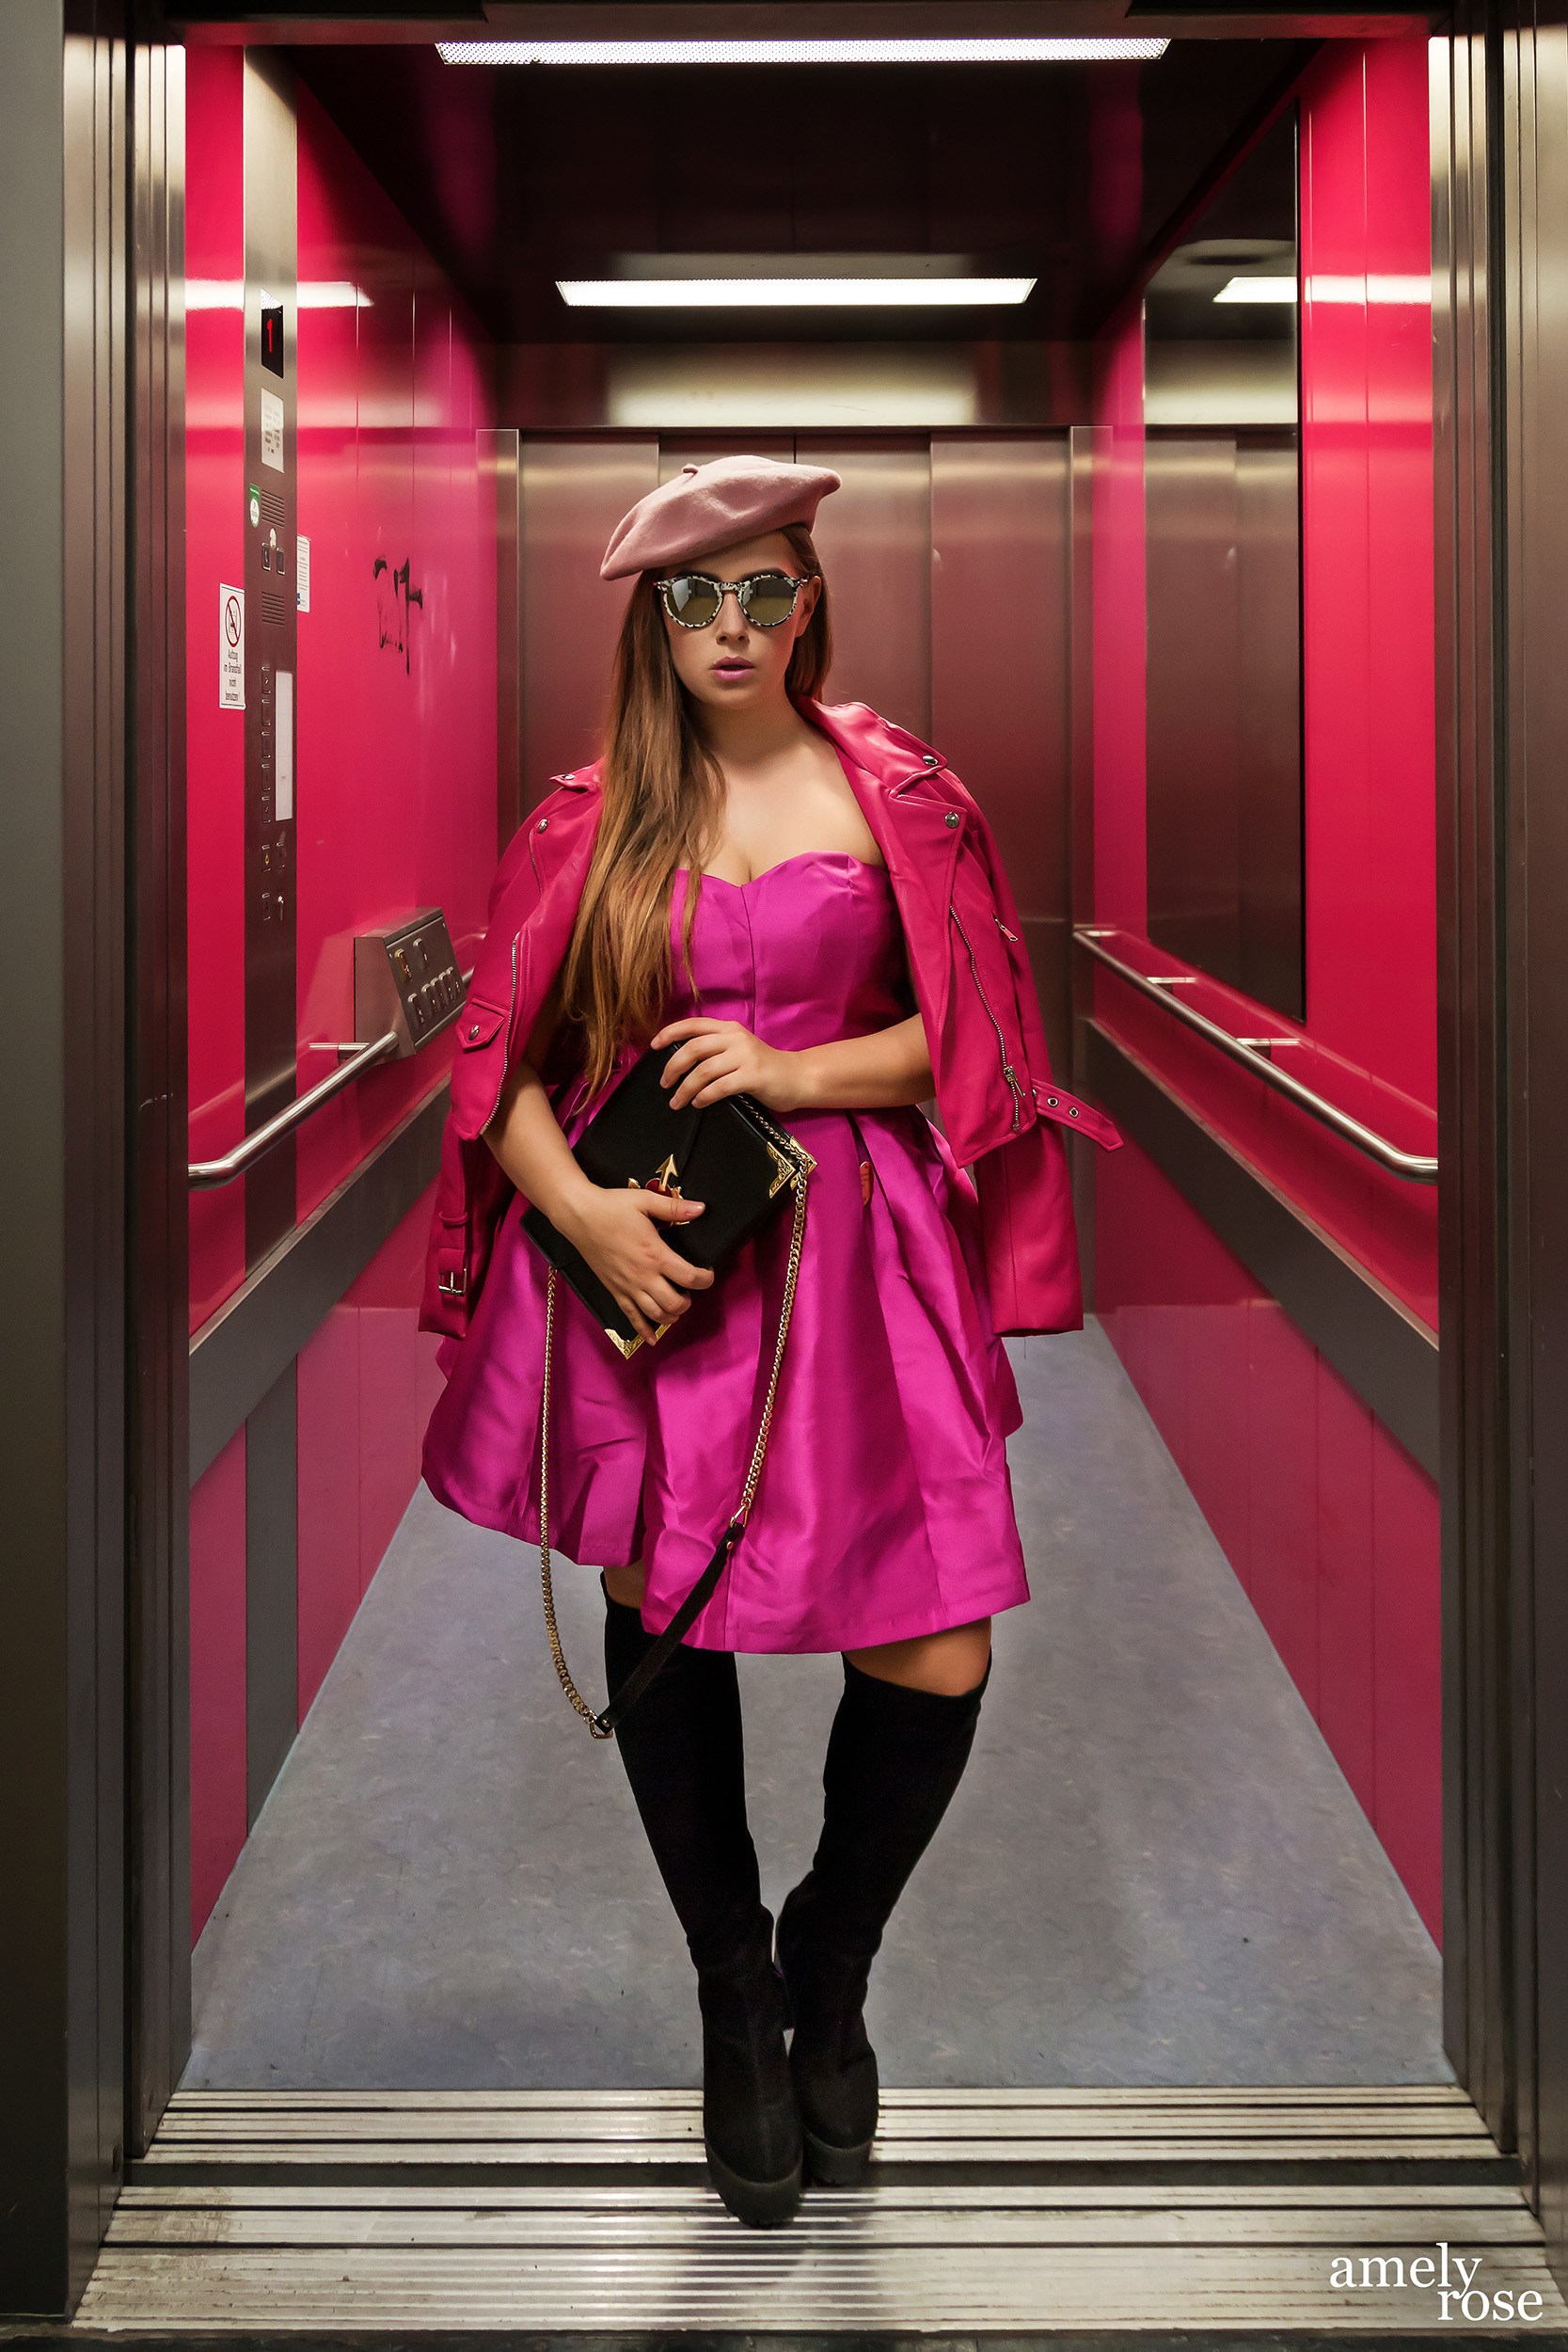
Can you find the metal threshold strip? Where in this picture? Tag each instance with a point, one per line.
(1204, 2210)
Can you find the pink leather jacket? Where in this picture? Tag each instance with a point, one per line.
(1002, 1112)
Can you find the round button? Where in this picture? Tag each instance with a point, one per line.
(570, 777)
(952, 818)
(543, 823)
(473, 1028)
(931, 760)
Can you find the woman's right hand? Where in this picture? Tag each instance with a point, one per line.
(619, 1233)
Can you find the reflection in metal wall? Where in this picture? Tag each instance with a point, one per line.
(1000, 688)
(1224, 684)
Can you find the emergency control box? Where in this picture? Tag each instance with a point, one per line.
(407, 980)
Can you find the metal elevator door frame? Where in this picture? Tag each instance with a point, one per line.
(94, 1634)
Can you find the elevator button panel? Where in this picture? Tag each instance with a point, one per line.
(407, 980)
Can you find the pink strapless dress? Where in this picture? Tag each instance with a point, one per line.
(886, 1508)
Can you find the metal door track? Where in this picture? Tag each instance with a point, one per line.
(1198, 2215)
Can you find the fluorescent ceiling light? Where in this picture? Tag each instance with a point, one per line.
(1059, 50)
(1258, 290)
(1377, 286)
(315, 293)
(744, 294)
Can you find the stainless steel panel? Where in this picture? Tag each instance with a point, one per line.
(573, 495)
(1269, 850)
(754, 388)
(1224, 709)
(1001, 696)
(1193, 685)
(498, 458)
(676, 450)
(874, 536)
(70, 1173)
(1529, 842)
(158, 1616)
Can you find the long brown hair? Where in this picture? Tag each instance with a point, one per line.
(663, 792)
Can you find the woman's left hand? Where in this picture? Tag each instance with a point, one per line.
(722, 1058)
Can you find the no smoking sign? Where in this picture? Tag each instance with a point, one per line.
(230, 648)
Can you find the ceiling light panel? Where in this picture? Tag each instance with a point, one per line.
(1258, 290)
(1045, 51)
(314, 294)
(749, 294)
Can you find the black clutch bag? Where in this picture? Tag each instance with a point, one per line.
(742, 1166)
(731, 1157)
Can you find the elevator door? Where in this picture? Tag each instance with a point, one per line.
(948, 561)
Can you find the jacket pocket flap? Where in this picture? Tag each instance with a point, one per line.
(1054, 1102)
(479, 1025)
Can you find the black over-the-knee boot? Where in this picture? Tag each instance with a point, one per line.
(895, 1757)
(681, 1744)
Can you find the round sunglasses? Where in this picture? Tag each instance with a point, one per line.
(695, 600)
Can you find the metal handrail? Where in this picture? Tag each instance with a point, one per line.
(1413, 1167)
(202, 1174)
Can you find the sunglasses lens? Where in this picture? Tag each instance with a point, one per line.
(693, 600)
(771, 599)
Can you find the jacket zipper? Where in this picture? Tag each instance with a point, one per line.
(1003, 929)
(1007, 1069)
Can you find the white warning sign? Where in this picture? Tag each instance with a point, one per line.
(272, 431)
(302, 574)
(230, 648)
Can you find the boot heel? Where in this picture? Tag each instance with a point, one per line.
(760, 2204)
(836, 2167)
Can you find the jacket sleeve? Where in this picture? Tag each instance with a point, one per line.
(1025, 1185)
(1053, 1105)
(472, 1189)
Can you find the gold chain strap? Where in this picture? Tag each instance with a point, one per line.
(748, 1494)
(562, 1670)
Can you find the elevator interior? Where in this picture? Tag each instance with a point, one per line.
(1107, 551)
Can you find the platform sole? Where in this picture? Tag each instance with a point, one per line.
(761, 2204)
(836, 2167)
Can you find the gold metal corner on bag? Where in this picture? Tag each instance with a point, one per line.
(627, 1347)
(783, 1170)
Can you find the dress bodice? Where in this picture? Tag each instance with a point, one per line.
(806, 952)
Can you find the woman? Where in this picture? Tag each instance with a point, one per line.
(811, 909)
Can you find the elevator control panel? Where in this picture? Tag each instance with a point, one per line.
(407, 980)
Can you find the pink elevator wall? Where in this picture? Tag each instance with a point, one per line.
(396, 797)
(1329, 1524)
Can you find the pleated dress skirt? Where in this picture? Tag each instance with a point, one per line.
(886, 1508)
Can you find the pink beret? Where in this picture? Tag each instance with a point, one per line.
(712, 507)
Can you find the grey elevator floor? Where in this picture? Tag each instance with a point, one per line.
(1154, 1872)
